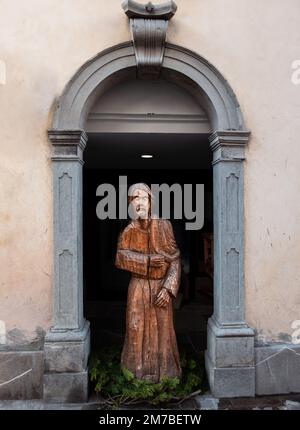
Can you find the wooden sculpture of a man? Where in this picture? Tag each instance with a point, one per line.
(148, 250)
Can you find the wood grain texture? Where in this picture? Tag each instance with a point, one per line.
(150, 349)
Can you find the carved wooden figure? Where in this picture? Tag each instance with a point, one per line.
(148, 250)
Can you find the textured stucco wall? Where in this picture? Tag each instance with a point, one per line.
(252, 43)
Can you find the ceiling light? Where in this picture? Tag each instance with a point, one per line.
(147, 156)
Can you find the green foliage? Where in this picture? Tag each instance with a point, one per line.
(118, 385)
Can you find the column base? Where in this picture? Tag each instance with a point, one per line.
(231, 381)
(229, 360)
(66, 359)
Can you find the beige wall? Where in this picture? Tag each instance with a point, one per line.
(252, 43)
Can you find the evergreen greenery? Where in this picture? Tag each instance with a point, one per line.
(118, 386)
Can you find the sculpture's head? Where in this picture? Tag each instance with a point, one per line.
(139, 196)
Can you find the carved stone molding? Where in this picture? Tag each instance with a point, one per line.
(229, 145)
(134, 9)
(149, 38)
(219, 100)
(67, 145)
(149, 25)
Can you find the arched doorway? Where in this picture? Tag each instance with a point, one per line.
(230, 350)
(158, 117)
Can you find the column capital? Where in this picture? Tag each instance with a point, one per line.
(67, 145)
(229, 145)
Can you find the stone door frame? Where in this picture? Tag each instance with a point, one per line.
(230, 352)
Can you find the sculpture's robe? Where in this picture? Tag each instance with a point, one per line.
(150, 349)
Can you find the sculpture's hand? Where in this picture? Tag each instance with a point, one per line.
(162, 298)
(156, 260)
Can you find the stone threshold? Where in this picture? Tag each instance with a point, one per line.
(203, 402)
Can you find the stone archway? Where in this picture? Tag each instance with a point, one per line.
(230, 352)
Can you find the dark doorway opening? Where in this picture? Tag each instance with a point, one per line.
(182, 159)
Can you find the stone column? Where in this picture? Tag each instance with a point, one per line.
(230, 342)
(67, 344)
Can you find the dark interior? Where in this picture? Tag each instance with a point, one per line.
(105, 287)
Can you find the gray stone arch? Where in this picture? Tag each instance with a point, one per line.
(230, 352)
(87, 84)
